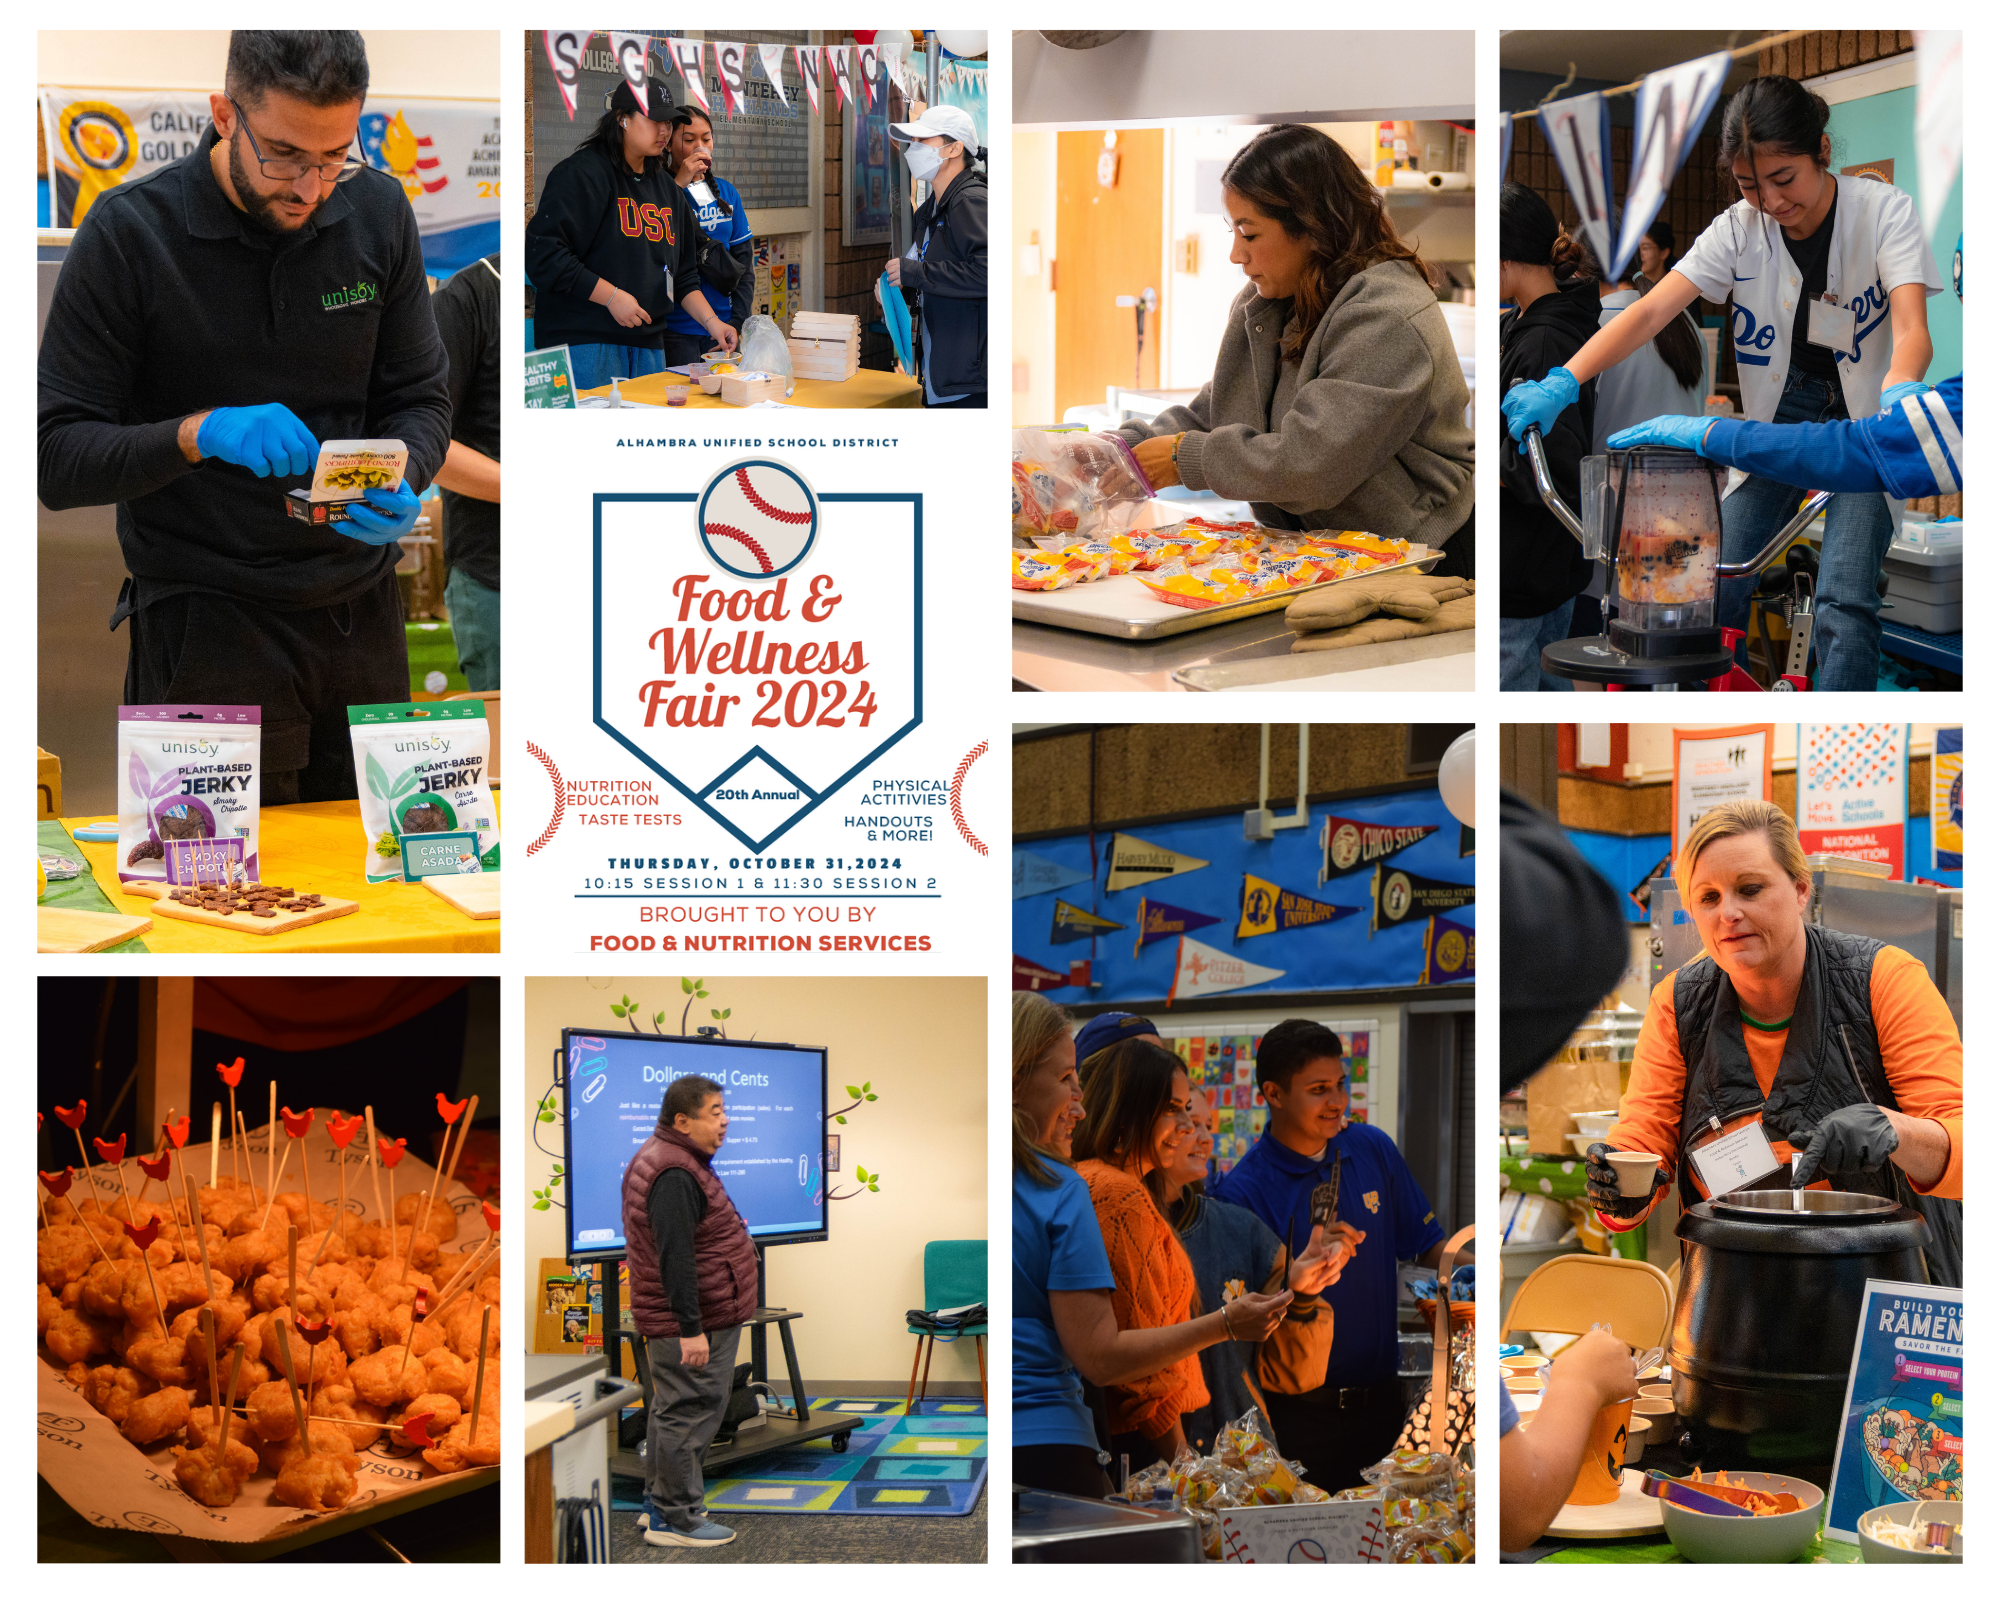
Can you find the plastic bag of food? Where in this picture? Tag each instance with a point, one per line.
(1083, 483)
(1418, 1474)
(1139, 1487)
(763, 349)
(1045, 573)
(186, 772)
(421, 768)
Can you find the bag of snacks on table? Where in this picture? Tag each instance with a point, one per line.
(186, 772)
(422, 768)
(1075, 482)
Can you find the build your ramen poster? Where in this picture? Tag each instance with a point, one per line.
(1903, 1435)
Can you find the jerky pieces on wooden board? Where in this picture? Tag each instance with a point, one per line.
(249, 908)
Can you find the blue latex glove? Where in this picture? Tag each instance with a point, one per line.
(1680, 433)
(267, 439)
(1538, 404)
(381, 516)
(1894, 397)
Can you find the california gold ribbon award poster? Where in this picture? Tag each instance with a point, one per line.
(755, 746)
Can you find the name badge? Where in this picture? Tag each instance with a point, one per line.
(1736, 1160)
(1830, 324)
(701, 194)
(667, 275)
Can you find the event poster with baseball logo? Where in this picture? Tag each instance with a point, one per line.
(744, 752)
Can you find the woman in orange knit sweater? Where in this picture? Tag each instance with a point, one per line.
(1135, 1125)
(1839, 1046)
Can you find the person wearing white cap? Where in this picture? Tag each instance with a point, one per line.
(946, 266)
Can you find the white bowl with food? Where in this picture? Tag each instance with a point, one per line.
(1896, 1533)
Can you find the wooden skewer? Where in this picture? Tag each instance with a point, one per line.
(292, 1295)
(201, 1235)
(434, 1312)
(214, 1389)
(271, 1137)
(292, 1384)
(479, 1381)
(235, 1149)
(305, 1173)
(437, 1177)
(88, 1177)
(341, 1155)
(42, 1201)
(151, 1281)
(272, 1198)
(214, 1139)
(474, 1263)
(375, 1174)
(229, 1407)
(249, 1160)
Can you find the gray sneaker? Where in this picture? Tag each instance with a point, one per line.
(703, 1535)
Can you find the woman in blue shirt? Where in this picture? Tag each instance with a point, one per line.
(728, 267)
(1063, 1321)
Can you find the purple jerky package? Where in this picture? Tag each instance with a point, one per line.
(185, 772)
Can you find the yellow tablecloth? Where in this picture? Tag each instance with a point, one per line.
(315, 847)
(864, 391)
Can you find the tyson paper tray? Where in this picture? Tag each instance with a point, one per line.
(347, 469)
(422, 768)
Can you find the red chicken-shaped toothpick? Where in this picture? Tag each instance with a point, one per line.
(156, 1170)
(111, 1150)
(442, 1180)
(177, 1131)
(448, 1110)
(296, 1125)
(412, 1430)
(342, 1131)
(72, 1119)
(392, 1152)
(232, 1076)
(58, 1184)
(492, 1215)
(143, 1238)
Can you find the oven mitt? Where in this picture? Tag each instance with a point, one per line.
(1857, 1138)
(1453, 616)
(1403, 594)
(1601, 1186)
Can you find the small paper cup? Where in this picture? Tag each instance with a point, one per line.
(1635, 1169)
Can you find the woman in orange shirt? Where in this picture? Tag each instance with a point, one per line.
(1135, 1125)
(1840, 1046)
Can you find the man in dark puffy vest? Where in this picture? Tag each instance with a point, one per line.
(694, 1284)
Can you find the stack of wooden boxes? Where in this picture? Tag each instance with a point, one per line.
(825, 345)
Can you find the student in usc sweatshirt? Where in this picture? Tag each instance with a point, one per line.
(614, 246)
(1542, 570)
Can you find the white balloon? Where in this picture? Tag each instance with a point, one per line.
(961, 41)
(1457, 780)
(901, 36)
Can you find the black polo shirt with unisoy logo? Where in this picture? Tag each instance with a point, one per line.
(171, 301)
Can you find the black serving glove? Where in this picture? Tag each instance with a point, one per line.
(1855, 1139)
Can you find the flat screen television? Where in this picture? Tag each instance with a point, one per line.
(772, 1161)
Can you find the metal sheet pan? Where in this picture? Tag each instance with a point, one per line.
(1408, 659)
(1120, 608)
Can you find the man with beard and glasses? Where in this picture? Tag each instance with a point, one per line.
(212, 324)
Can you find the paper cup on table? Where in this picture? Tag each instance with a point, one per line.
(1635, 1169)
(1603, 1457)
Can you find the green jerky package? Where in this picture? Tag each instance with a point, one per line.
(421, 768)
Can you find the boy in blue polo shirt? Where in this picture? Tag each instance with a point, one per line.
(1352, 1421)
(728, 269)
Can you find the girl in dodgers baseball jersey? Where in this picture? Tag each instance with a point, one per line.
(1827, 276)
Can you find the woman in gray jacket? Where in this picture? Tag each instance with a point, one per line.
(1337, 399)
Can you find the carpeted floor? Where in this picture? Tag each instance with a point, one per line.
(828, 1538)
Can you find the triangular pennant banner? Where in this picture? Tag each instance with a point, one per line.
(1158, 920)
(809, 59)
(1447, 952)
(564, 48)
(1135, 862)
(1940, 119)
(1035, 874)
(1266, 908)
(840, 57)
(773, 58)
(687, 59)
(1672, 108)
(868, 75)
(1033, 975)
(630, 50)
(892, 61)
(1201, 969)
(1346, 845)
(1073, 922)
(1404, 896)
(729, 67)
(1579, 135)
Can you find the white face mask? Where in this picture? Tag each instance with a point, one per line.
(924, 161)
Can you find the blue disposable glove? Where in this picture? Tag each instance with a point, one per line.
(1538, 404)
(1892, 398)
(1680, 433)
(380, 516)
(267, 439)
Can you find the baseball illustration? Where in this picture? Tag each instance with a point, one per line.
(757, 519)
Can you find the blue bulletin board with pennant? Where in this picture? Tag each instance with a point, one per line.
(1312, 950)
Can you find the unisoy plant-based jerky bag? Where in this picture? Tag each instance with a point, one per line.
(185, 772)
(421, 768)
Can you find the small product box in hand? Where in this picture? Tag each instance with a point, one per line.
(347, 469)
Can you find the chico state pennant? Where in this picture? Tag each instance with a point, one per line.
(1347, 845)
(1201, 969)
(1404, 896)
(1135, 862)
(1447, 952)
(1071, 923)
(1266, 908)
(1158, 920)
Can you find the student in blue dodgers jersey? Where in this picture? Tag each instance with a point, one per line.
(1352, 1421)
(1911, 448)
(728, 272)
(1848, 252)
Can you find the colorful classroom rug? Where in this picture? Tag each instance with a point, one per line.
(930, 1462)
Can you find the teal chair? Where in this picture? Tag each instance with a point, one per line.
(954, 1275)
